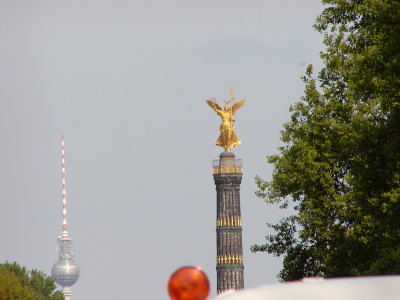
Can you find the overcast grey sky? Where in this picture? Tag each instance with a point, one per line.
(125, 83)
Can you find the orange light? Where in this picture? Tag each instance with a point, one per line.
(188, 283)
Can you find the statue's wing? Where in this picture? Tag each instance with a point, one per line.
(237, 105)
(215, 106)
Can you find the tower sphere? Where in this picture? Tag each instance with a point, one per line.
(65, 272)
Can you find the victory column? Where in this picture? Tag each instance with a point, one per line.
(228, 176)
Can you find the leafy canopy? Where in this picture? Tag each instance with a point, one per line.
(16, 283)
(339, 168)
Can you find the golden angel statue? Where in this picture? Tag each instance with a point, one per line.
(227, 138)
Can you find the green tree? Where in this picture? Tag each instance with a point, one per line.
(16, 283)
(339, 168)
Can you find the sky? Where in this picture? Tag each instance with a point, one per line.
(125, 82)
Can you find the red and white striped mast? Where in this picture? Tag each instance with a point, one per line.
(64, 193)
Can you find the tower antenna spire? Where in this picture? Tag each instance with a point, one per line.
(64, 193)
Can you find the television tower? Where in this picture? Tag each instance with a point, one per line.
(65, 271)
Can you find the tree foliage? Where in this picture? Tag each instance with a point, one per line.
(17, 283)
(339, 168)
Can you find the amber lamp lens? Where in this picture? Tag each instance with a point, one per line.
(188, 283)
